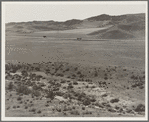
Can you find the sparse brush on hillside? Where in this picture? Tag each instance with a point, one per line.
(129, 24)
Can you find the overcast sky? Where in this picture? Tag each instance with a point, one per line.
(62, 11)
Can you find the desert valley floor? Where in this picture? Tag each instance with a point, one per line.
(49, 77)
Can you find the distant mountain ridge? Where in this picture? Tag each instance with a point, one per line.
(120, 27)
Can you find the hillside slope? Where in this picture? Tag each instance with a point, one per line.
(119, 27)
(122, 31)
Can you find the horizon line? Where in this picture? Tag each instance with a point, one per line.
(74, 18)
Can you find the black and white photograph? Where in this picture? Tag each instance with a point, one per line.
(76, 60)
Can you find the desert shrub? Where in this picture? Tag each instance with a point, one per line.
(63, 81)
(114, 100)
(64, 113)
(87, 112)
(79, 79)
(35, 87)
(93, 86)
(8, 108)
(28, 83)
(105, 78)
(58, 93)
(92, 99)
(13, 70)
(75, 94)
(134, 85)
(36, 93)
(129, 111)
(52, 73)
(10, 86)
(111, 110)
(64, 87)
(65, 108)
(24, 73)
(14, 106)
(78, 72)
(99, 105)
(76, 68)
(32, 110)
(49, 101)
(83, 108)
(43, 77)
(19, 98)
(32, 76)
(75, 82)
(86, 102)
(50, 95)
(106, 104)
(124, 69)
(73, 107)
(120, 110)
(37, 68)
(81, 76)
(73, 75)
(58, 109)
(66, 95)
(9, 77)
(140, 108)
(47, 105)
(96, 74)
(141, 87)
(81, 96)
(75, 112)
(67, 69)
(62, 75)
(132, 77)
(70, 87)
(70, 84)
(39, 112)
(116, 107)
(38, 78)
(17, 77)
(59, 74)
(23, 89)
(105, 95)
(42, 85)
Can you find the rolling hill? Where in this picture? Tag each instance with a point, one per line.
(130, 26)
